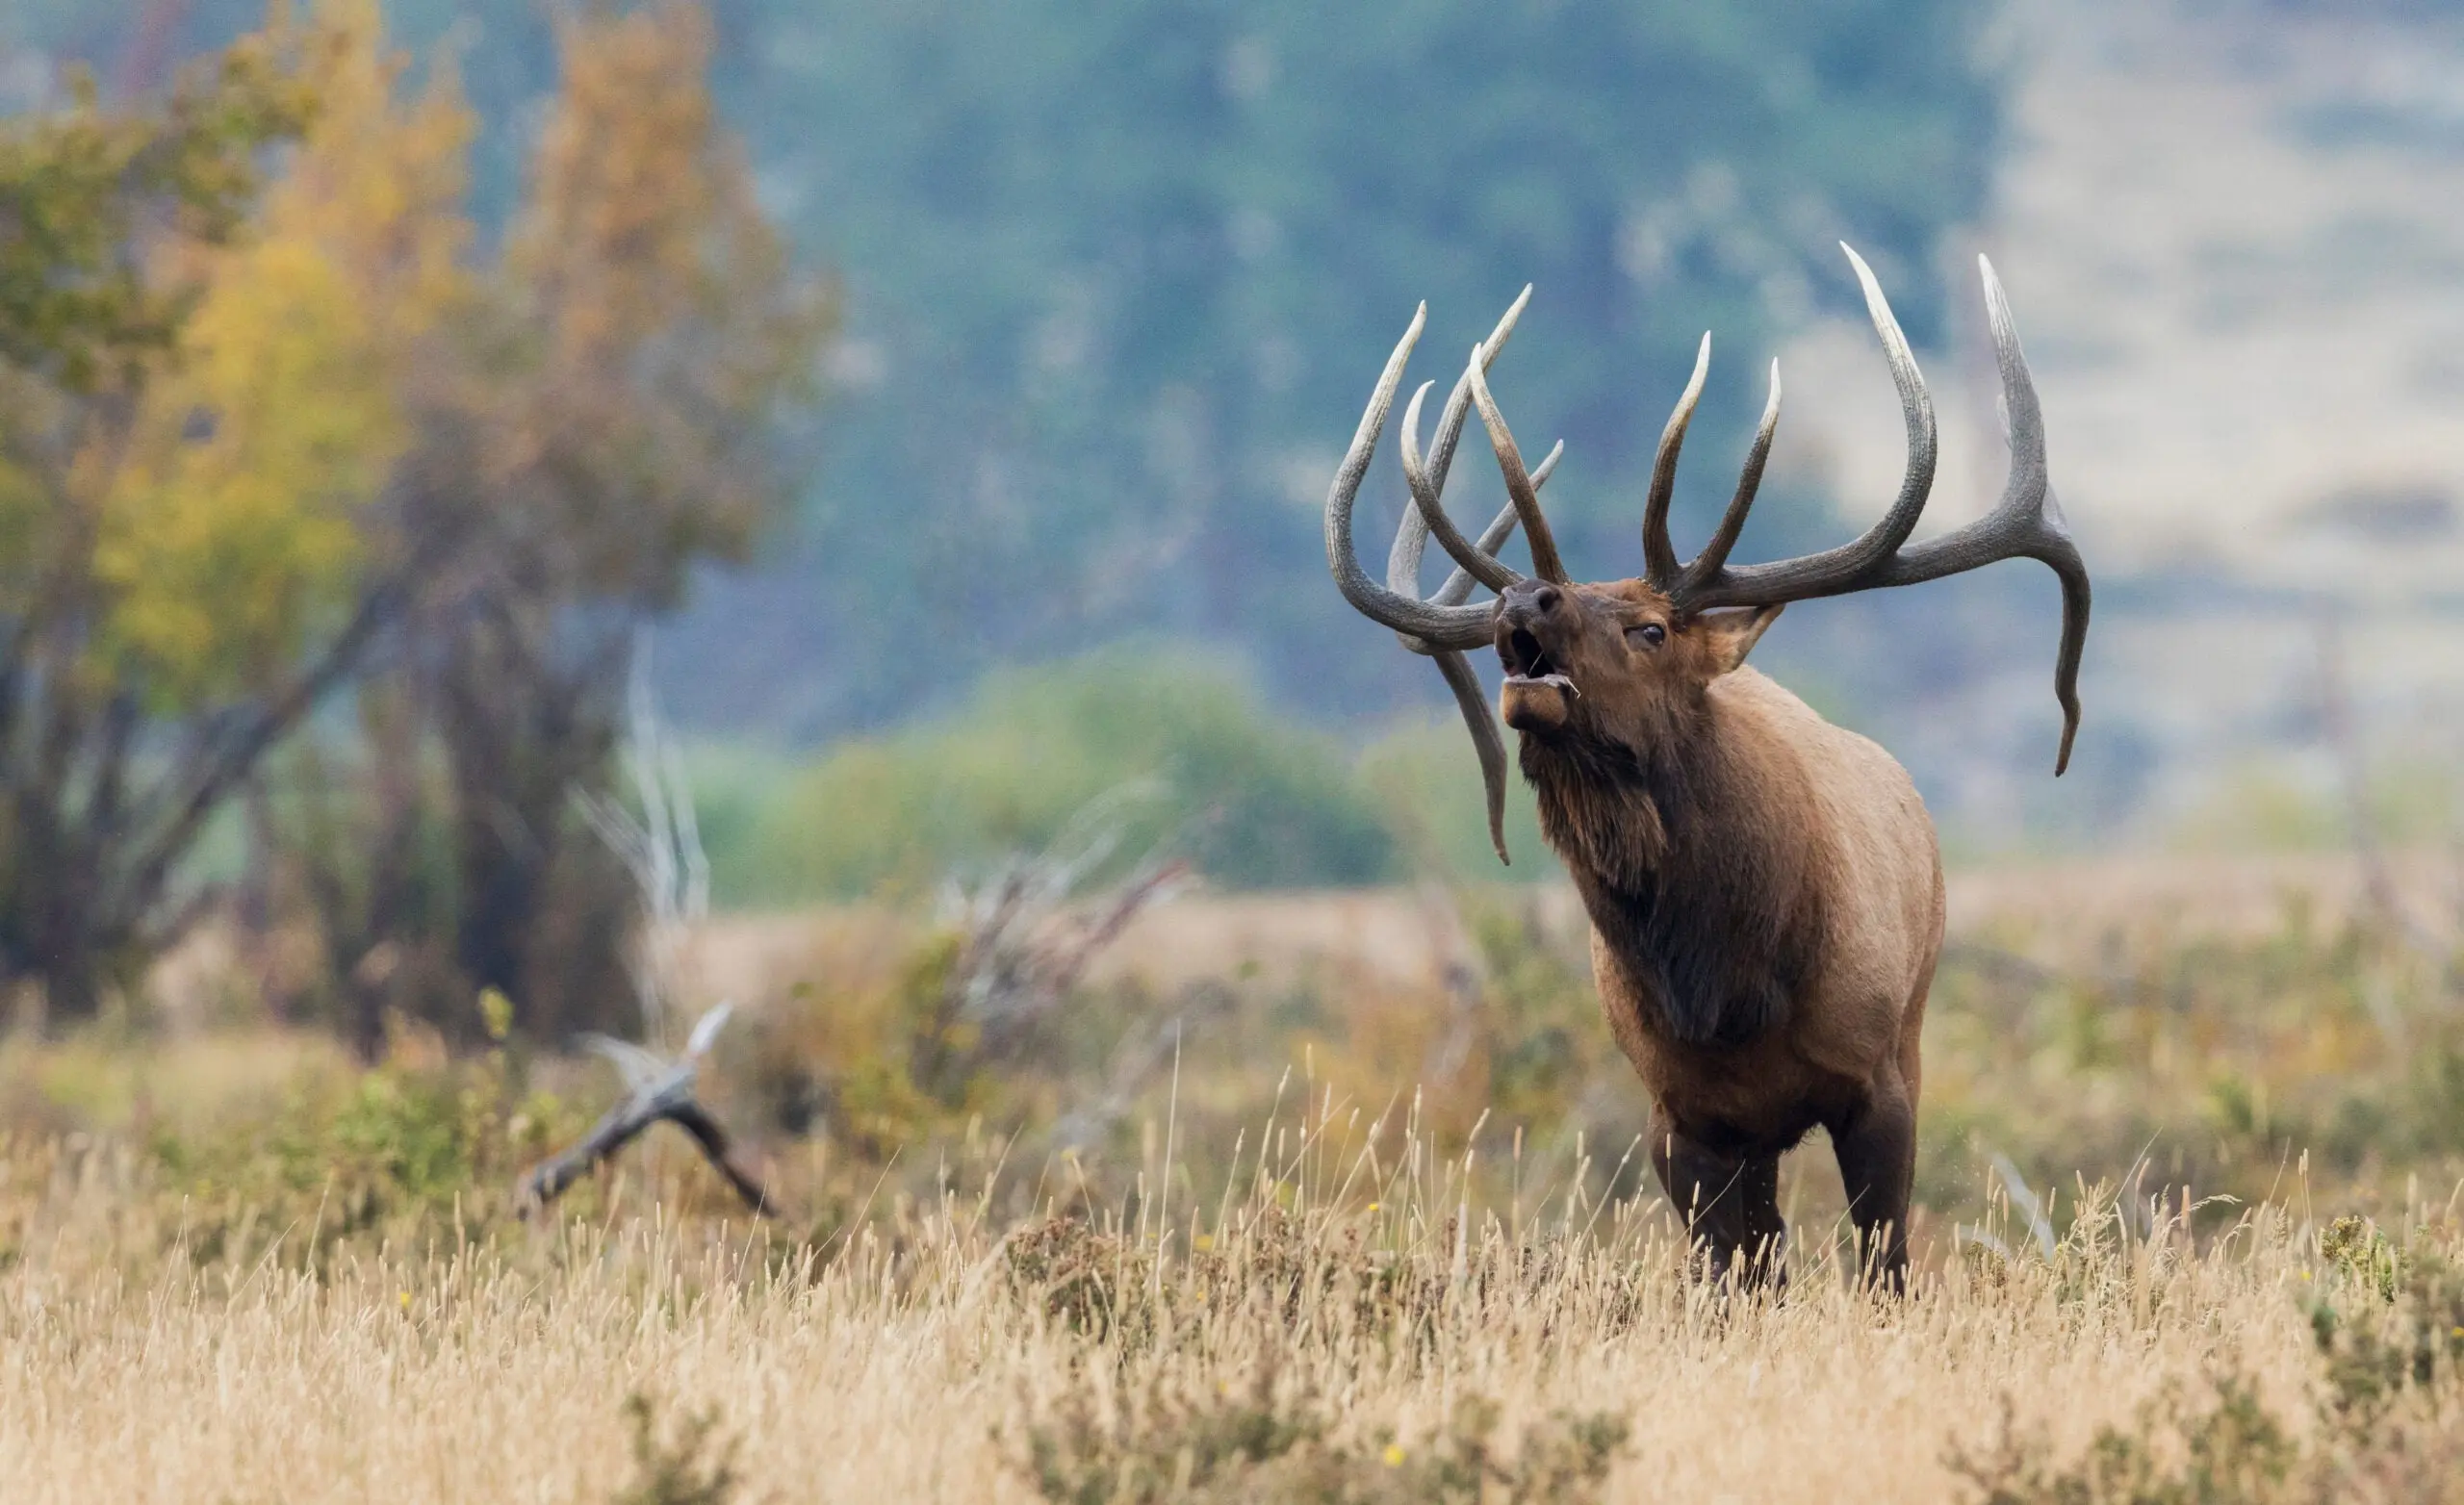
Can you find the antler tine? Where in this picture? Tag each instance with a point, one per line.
(1714, 556)
(1458, 402)
(1500, 528)
(1659, 558)
(1482, 723)
(1428, 513)
(1545, 562)
(1452, 627)
(1835, 571)
(1402, 576)
(1428, 484)
(1916, 410)
(2027, 522)
(1411, 537)
(1477, 718)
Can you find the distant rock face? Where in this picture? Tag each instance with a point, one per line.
(2231, 237)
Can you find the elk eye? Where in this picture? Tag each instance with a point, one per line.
(1650, 634)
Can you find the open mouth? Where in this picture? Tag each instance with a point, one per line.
(1527, 662)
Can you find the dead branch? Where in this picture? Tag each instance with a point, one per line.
(1024, 944)
(657, 1090)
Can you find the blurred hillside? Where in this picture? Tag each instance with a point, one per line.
(2231, 236)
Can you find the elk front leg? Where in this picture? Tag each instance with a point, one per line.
(1730, 1204)
(1877, 1149)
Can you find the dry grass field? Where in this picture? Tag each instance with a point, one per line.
(1364, 1231)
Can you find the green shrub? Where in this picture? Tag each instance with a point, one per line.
(403, 1152)
(1256, 800)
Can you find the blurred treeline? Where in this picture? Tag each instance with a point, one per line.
(1117, 275)
(330, 522)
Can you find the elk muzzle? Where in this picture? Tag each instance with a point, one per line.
(1535, 620)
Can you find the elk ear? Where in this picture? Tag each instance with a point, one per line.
(1730, 635)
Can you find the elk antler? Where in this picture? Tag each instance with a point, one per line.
(1402, 574)
(1519, 486)
(1659, 560)
(2027, 522)
(1476, 562)
(1433, 622)
(1438, 625)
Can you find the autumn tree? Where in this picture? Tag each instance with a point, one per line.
(611, 418)
(191, 424)
(262, 440)
(369, 219)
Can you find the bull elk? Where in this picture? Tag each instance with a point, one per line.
(1764, 889)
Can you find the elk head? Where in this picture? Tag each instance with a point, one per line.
(1627, 662)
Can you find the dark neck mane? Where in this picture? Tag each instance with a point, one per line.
(1693, 875)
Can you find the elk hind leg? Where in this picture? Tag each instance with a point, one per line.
(1877, 1151)
(1730, 1203)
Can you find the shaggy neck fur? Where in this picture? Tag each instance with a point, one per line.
(1695, 876)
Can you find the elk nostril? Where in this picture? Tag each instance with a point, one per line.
(1544, 599)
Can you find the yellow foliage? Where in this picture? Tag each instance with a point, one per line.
(626, 185)
(216, 549)
(379, 183)
(661, 318)
(233, 527)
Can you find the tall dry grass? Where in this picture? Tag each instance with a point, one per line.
(1343, 1323)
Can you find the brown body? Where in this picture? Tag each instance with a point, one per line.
(1765, 894)
(1764, 888)
(1864, 882)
